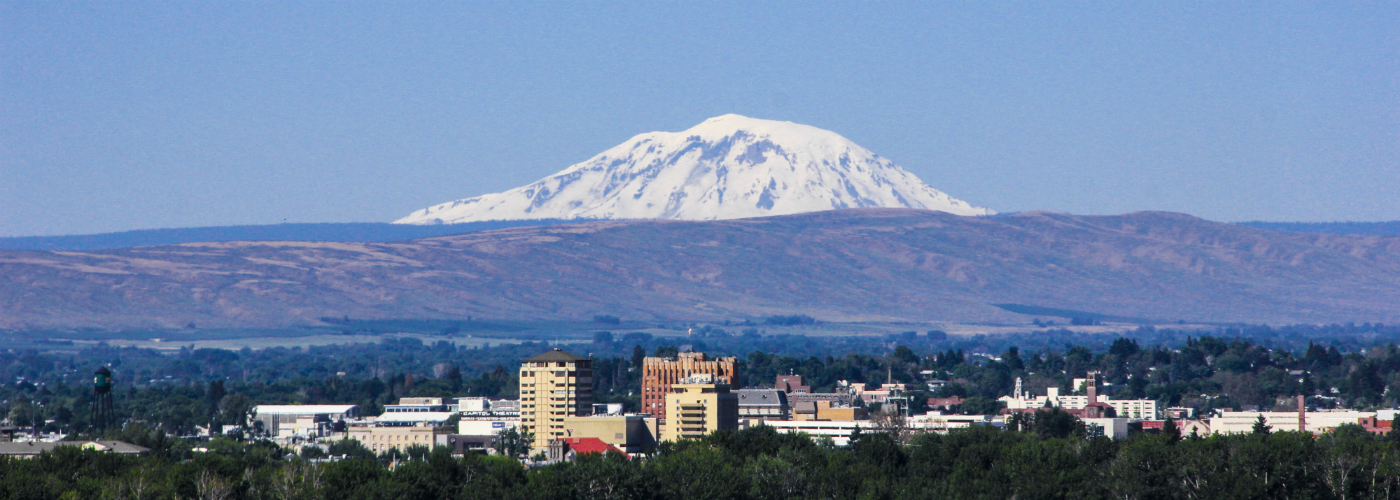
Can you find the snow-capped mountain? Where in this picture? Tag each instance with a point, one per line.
(727, 167)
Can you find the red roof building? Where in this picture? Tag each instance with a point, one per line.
(588, 445)
(944, 403)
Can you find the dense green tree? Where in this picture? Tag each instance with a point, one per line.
(758, 463)
(1124, 347)
(1171, 431)
(513, 442)
(666, 351)
(904, 356)
(1012, 359)
(1055, 423)
(978, 405)
(1261, 428)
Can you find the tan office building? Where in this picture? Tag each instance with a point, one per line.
(554, 385)
(659, 374)
(629, 433)
(823, 410)
(380, 439)
(697, 407)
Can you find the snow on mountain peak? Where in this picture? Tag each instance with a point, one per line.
(727, 167)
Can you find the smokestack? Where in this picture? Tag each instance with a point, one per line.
(1302, 415)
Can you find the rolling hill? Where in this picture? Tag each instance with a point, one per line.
(321, 231)
(842, 265)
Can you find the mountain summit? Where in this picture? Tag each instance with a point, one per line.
(727, 167)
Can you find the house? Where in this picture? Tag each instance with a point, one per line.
(944, 403)
(33, 449)
(566, 449)
(1194, 427)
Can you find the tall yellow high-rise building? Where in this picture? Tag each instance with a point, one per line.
(554, 385)
(698, 406)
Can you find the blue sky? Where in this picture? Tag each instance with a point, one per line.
(126, 115)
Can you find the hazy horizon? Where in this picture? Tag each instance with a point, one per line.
(161, 115)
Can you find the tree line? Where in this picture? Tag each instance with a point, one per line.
(1047, 461)
(190, 388)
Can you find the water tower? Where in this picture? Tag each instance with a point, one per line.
(102, 398)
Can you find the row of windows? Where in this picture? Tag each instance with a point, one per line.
(395, 438)
(561, 373)
(758, 411)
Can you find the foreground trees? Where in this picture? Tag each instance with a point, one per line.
(760, 463)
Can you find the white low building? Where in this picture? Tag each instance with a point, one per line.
(1144, 409)
(304, 421)
(487, 417)
(411, 405)
(486, 424)
(465, 404)
(479, 404)
(1112, 428)
(944, 423)
(840, 430)
(1241, 422)
(408, 419)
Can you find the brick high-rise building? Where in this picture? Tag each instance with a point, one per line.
(554, 385)
(791, 384)
(659, 374)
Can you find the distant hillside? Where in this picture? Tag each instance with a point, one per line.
(349, 231)
(378, 232)
(841, 265)
(1391, 228)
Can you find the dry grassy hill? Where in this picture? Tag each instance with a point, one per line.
(871, 264)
